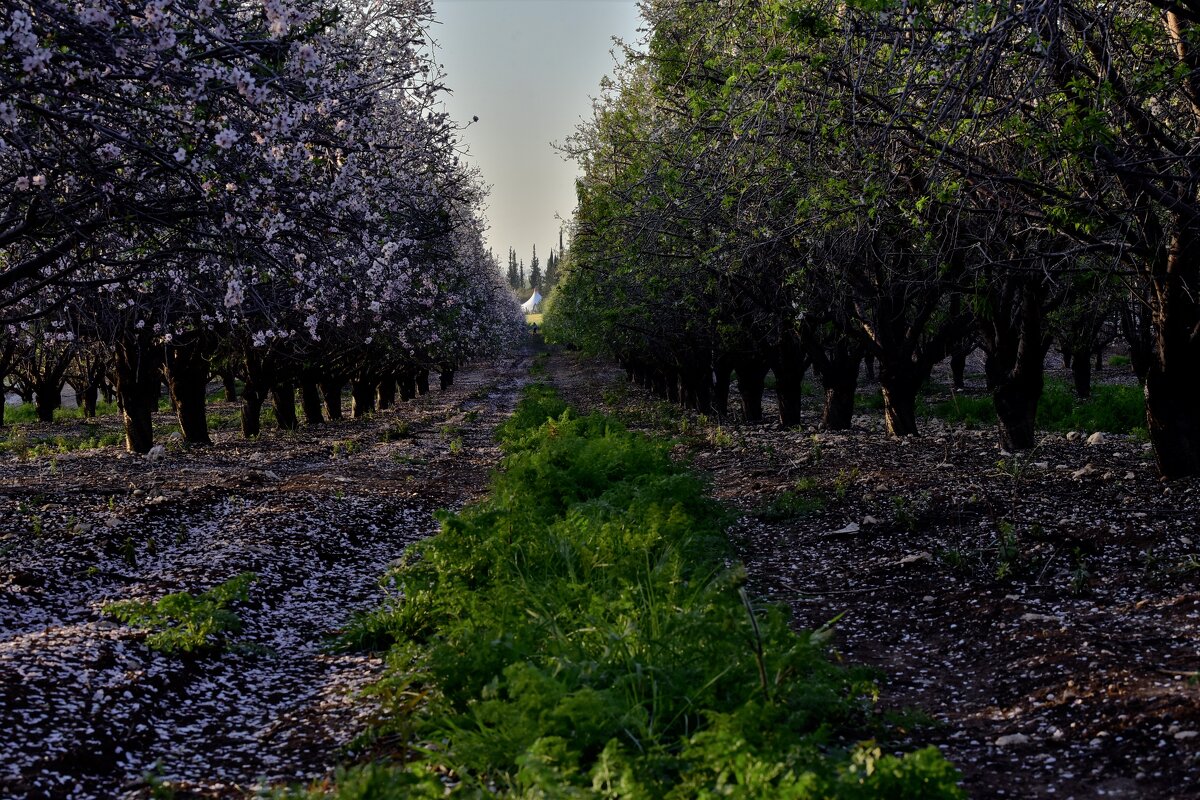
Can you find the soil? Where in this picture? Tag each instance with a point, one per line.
(88, 711)
(1035, 616)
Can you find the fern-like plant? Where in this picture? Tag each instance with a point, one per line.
(184, 622)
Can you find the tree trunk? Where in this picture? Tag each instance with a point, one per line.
(751, 377)
(91, 394)
(260, 375)
(331, 392)
(387, 392)
(48, 397)
(187, 379)
(252, 401)
(407, 384)
(310, 402)
(837, 363)
(136, 364)
(283, 400)
(1081, 372)
(1015, 367)
(958, 369)
(723, 375)
(423, 382)
(1173, 380)
(229, 381)
(447, 375)
(362, 395)
(900, 383)
(789, 366)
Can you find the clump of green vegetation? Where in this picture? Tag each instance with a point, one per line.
(1119, 361)
(19, 443)
(800, 501)
(1112, 409)
(581, 633)
(346, 447)
(400, 429)
(187, 623)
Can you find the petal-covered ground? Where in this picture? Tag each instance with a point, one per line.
(87, 710)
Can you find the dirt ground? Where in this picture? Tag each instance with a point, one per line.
(1041, 611)
(86, 710)
(1036, 617)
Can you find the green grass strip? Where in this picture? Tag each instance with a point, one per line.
(584, 632)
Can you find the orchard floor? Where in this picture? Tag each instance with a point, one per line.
(1040, 617)
(86, 710)
(1042, 611)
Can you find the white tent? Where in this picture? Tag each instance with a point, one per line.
(530, 306)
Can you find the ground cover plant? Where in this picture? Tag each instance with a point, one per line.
(186, 623)
(583, 632)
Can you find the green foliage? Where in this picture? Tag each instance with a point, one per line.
(581, 633)
(801, 501)
(398, 430)
(184, 622)
(20, 443)
(1112, 409)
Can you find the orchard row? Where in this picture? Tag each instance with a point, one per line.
(273, 188)
(778, 185)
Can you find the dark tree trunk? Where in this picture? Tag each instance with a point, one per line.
(840, 382)
(447, 375)
(671, 381)
(362, 394)
(751, 377)
(900, 384)
(283, 400)
(229, 381)
(47, 398)
(252, 402)
(1173, 379)
(423, 382)
(407, 383)
(331, 392)
(1016, 350)
(187, 379)
(310, 402)
(1081, 372)
(387, 392)
(91, 395)
(723, 375)
(1138, 329)
(136, 364)
(789, 365)
(958, 368)
(260, 376)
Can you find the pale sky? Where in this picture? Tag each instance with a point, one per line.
(528, 69)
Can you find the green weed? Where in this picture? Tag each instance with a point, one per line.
(187, 623)
(400, 429)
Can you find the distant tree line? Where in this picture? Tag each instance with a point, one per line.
(779, 186)
(542, 279)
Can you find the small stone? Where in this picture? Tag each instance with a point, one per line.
(1095, 439)
(914, 558)
(156, 454)
(851, 528)
(111, 522)
(869, 520)
(1041, 465)
(138, 492)
(1130, 476)
(1032, 617)
(1012, 739)
(1185, 735)
(1074, 436)
(1085, 472)
(927, 598)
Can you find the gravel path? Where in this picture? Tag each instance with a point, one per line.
(87, 710)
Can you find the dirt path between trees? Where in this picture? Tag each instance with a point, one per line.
(87, 710)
